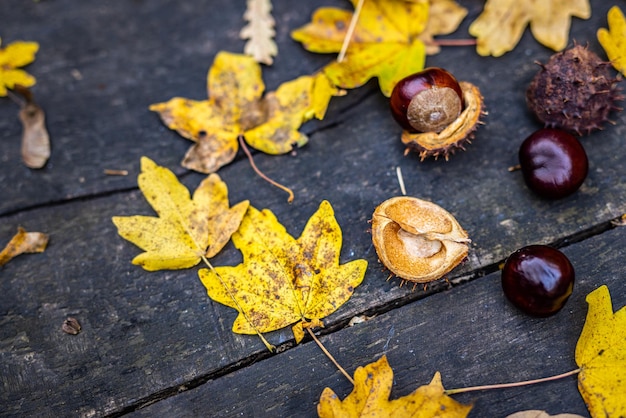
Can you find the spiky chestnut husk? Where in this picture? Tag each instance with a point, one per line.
(574, 91)
(455, 135)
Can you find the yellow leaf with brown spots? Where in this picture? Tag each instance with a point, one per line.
(236, 108)
(387, 41)
(187, 229)
(284, 280)
(500, 26)
(370, 398)
(15, 55)
(23, 242)
(601, 355)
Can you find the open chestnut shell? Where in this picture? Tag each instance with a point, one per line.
(417, 240)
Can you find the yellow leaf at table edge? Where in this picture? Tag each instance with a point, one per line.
(592, 346)
(608, 38)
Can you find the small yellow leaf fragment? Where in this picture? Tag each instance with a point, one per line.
(23, 242)
(15, 55)
(500, 26)
(259, 31)
(370, 398)
(601, 355)
(613, 40)
(187, 228)
(283, 280)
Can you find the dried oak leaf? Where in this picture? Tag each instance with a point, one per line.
(23, 242)
(613, 40)
(385, 42)
(15, 55)
(500, 26)
(259, 31)
(370, 398)
(187, 229)
(236, 108)
(601, 355)
(284, 280)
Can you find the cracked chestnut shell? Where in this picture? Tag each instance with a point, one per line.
(417, 240)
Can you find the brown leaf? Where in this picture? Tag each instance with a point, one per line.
(35, 138)
(23, 242)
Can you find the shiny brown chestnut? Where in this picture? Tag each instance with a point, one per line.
(427, 101)
(553, 162)
(538, 279)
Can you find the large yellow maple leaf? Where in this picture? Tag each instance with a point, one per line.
(500, 26)
(613, 40)
(601, 355)
(15, 55)
(187, 229)
(385, 43)
(236, 108)
(370, 398)
(284, 280)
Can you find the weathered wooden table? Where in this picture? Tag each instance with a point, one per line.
(154, 344)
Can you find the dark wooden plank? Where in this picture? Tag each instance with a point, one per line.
(127, 55)
(470, 333)
(148, 333)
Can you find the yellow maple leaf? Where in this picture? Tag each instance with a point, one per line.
(385, 42)
(15, 55)
(23, 242)
(613, 40)
(500, 26)
(283, 280)
(601, 355)
(370, 398)
(187, 229)
(236, 108)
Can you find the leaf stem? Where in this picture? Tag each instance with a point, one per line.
(239, 308)
(330, 356)
(511, 385)
(286, 189)
(452, 42)
(350, 31)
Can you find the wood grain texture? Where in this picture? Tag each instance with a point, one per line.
(145, 336)
(469, 333)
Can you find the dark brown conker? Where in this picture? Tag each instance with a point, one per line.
(427, 101)
(538, 279)
(553, 162)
